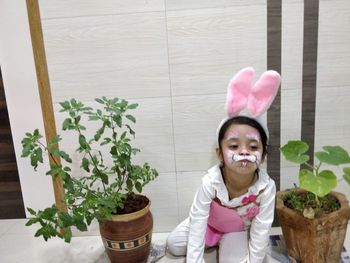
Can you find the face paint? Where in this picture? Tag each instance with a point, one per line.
(231, 136)
(253, 136)
(243, 160)
(250, 158)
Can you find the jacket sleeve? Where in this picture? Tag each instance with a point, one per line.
(198, 222)
(261, 225)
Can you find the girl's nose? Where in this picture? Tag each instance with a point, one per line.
(244, 152)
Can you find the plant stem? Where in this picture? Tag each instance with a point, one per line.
(92, 159)
(318, 167)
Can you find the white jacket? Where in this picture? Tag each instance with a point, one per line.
(213, 185)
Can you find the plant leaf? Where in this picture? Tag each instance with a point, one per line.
(334, 155)
(346, 175)
(130, 117)
(138, 187)
(99, 100)
(67, 235)
(31, 211)
(294, 151)
(320, 185)
(132, 106)
(65, 156)
(85, 164)
(104, 178)
(82, 142)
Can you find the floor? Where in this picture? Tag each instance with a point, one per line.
(18, 244)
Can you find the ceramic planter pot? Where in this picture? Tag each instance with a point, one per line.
(318, 240)
(127, 238)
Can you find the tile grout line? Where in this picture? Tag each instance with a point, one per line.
(172, 109)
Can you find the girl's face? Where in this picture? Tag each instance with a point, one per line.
(241, 149)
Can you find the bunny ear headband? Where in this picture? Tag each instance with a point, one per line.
(246, 98)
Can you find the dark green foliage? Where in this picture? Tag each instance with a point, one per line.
(102, 190)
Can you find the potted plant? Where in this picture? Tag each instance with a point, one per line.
(105, 187)
(313, 218)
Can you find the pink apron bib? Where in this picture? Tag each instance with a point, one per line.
(221, 220)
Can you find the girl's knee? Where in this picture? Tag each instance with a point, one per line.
(175, 246)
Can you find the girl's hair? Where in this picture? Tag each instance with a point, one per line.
(247, 121)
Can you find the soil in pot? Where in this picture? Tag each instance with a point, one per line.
(133, 203)
(309, 204)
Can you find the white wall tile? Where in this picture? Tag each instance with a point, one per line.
(67, 8)
(200, 4)
(333, 60)
(289, 176)
(292, 45)
(208, 46)
(196, 119)
(333, 78)
(332, 116)
(163, 195)
(291, 87)
(187, 186)
(290, 117)
(119, 55)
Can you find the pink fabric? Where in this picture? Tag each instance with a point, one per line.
(221, 220)
(242, 93)
(238, 91)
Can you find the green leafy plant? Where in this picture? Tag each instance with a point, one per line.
(318, 183)
(108, 176)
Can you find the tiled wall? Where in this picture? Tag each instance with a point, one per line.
(175, 59)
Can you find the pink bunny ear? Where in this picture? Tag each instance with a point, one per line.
(238, 91)
(263, 93)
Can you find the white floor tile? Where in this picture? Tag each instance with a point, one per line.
(5, 225)
(17, 244)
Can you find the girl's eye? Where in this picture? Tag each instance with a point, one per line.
(254, 147)
(233, 147)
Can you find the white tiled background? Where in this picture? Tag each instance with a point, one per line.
(175, 59)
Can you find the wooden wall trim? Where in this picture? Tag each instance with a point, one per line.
(44, 90)
(311, 13)
(274, 41)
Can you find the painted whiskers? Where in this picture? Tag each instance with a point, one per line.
(250, 158)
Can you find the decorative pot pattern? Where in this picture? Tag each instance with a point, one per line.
(127, 238)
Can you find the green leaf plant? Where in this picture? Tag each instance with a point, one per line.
(316, 182)
(108, 175)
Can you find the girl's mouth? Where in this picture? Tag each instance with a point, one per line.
(244, 163)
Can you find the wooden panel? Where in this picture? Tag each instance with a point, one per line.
(45, 94)
(274, 23)
(11, 201)
(309, 74)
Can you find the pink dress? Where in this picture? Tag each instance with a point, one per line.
(223, 220)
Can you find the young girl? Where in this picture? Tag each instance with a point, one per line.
(234, 206)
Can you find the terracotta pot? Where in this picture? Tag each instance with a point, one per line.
(318, 240)
(127, 238)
